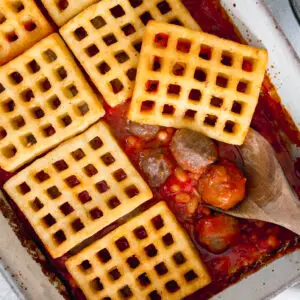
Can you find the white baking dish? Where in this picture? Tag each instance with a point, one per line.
(258, 28)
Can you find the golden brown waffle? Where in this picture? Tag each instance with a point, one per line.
(21, 26)
(44, 99)
(62, 11)
(77, 189)
(189, 79)
(150, 257)
(106, 39)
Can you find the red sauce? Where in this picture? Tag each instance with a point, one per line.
(256, 242)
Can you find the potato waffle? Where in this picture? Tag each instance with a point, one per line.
(62, 11)
(189, 79)
(21, 26)
(150, 257)
(77, 189)
(106, 39)
(44, 99)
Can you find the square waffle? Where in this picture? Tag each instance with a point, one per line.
(21, 26)
(62, 11)
(106, 39)
(150, 257)
(44, 99)
(190, 79)
(77, 189)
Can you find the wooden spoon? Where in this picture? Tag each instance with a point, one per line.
(269, 195)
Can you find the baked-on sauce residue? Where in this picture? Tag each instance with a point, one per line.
(245, 244)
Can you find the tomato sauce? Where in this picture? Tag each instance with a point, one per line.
(246, 245)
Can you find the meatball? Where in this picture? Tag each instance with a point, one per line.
(144, 131)
(156, 167)
(192, 150)
(222, 185)
(217, 232)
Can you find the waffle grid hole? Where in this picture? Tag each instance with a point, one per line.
(157, 63)
(161, 40)
(205, 52)
(179, 69)
(2, 18)
(147, 106)
(174, 90)
(222, 81)
(168, 110)
(9, 151)
(227, 58)
(27, 95)
(114, 274)
(18, 122)
(66, 208)
(65, 120)
(92, 50)
(116, 85)
(143, 279)
(117, 11)
(36, 204)
(152, 86)
(113, 202)
(104, 255)
(85, 266)
(11, 36)
(53, 192)
(98, 22)
(128, 29)
(176, 21)
(54, 102)
(103, 68)
(8, 105)
(49, 56)
(248, 64)
(237, 107)
(62, 5)
(216, 102)
(121, 57)
(183, 45)
(59, 237)
(135, 3)
(96, 284)
(48, 220)
(33, 66)
(131, 74)
(15, 78)
(195, 95)
(77, 225)
(133, 262)
(28, 140)
(3, 133)
(48, 130)
(200, 74)
(96, 213)
(17, 6)
(210, 120)
(164, 7)
(140, 233)
(125, 292)
(80, 33)
(29, 25)
(84, 197)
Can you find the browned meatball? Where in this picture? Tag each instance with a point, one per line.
(217, 232)
(144, 131)
(222, 185)
(156, 167)
(192, 150)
